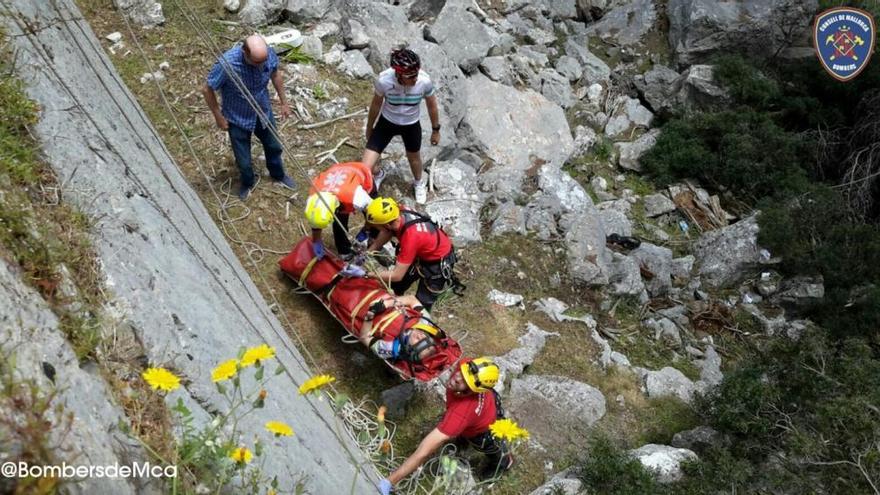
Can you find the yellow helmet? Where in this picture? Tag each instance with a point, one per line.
(320, 208)
(382, 211)
(480, 374)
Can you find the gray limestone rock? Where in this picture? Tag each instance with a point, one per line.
(260, 12)
(387, 27)
(664, 461)
(354, 35)
(698, 439)
(724, 256)
(313, 47)
(626, 279)
(306, 11)
(457, 202)
(665, 91)
(626, 24)
(555, 409)
(658, 260)
(169, 271)
(146, 13)
(497, 69)
(584, 139)
(594, 70)
(669, 382)
(658, 204)
(699, 29)
(85, 430)
(556, 88)
(799, 292)
(354, 64)
(516, 129)
(628, 114)
(464, 38)
(509, 218)
(569, 67)
(630, 153)
(615, 221)
(564, 483)
(425, 9)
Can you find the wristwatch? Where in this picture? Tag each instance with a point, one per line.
(436, 127)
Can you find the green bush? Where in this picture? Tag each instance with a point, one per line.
(610, 470)
(744, 151)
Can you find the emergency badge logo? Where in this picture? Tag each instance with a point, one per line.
(844, 38)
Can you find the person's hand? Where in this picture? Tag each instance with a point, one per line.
(353, 271)
(221, 121)
(385, 487)
(318, 249)
(435, 138)
(285, 110)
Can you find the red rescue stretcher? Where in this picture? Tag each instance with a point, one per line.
(349, 299)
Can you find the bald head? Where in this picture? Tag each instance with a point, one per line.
(256, 49)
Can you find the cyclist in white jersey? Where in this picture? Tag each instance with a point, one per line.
(397, 104)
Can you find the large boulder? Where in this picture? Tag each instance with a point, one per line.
(515, 362)
(462, 36)
(387, 26)
(664, 461)
(700, 28)
(628, 114)
(85, 427)
(593, 69)
(669, 382)
(666, 91)
(556, 409)
(626, 24)
(457, 202)
(630, 153)
(355, 65)
(556, 88)
(260, 12)
(171, 275)
(517, 129)
(306, 11)
(725, 256)
(798, 293)
(699, 439)
(657, 260)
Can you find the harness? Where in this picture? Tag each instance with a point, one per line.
(444, 265)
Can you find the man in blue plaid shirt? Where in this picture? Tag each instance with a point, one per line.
(251, 65)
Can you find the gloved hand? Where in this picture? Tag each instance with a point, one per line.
(353, 271)
(318, 249)
(385, 487)
(361, 241)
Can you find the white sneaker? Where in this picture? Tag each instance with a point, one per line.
(378, 177)
(421, 192)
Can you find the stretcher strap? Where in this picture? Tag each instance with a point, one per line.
(384, 322)
(360, 305)
(307, 271)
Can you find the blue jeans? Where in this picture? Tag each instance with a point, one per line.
(241, 148)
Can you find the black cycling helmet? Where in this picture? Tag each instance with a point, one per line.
(405, 61)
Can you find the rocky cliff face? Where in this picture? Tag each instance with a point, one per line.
(172, 276)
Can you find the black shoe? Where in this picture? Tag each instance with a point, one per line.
(493, 470)
(625, 242)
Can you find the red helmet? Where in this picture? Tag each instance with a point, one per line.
(405, 62)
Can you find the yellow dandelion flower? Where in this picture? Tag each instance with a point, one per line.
(380, 416)
(260, 353)
(505, 429)
(271, 492)
(315, 383)
(279, 428)
(161, 379)
(225, 370)
(242, 455)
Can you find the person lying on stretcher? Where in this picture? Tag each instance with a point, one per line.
(413, 344)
